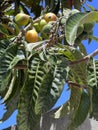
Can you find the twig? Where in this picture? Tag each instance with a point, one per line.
(85, 58)
(75, 84)
(61, 37)
(20, 67)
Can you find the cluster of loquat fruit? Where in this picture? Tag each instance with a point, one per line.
(41, 29)
(42, 26)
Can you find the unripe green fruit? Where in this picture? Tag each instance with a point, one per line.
(47, 28)
(42, 23)
(63, 21)
(80, 29)
(36, 26)
(22, 19)
(46, 31)
(88, 27)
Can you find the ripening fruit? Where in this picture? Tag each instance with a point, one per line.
(22, 19)
(42, 23)
(88, 27)
(50, 17)
(31, 36)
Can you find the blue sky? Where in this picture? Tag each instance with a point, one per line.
(65, 94)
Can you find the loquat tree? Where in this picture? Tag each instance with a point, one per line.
(41, 50)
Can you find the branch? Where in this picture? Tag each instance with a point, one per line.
(75, 84)
(71, 64)
(85, 58)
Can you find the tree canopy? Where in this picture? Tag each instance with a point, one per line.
(33, 72)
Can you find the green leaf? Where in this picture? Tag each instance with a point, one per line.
(92, 73)
(51, 87)
(48, 81)
(30, 46)
(94, 38)
(3, 46)
(4, 80)
(17, 59)
(82, 49)
(81, 112)
(95, 103)
(10, 88)
(75, 20)
(42, 88)
(78, 74)
(11, 106)
(27, 118)
(6, 60)
(71, 105)
(78, 71)
(12, 96)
